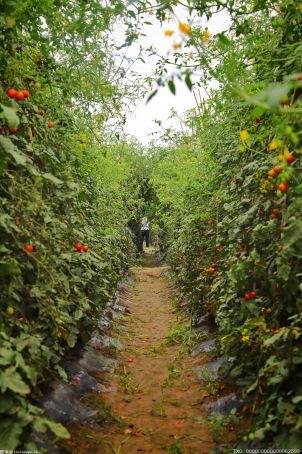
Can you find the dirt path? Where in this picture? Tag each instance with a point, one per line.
(158, 398)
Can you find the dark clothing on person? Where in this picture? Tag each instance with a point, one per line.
(145, 231)
(146, 236)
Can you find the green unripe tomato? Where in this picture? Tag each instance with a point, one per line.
(279, 193)
(10, 310)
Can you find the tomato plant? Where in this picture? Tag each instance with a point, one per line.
(224, 194)
(240, 167)
(57, 172)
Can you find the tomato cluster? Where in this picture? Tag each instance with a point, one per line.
(251, 295)
(81, 247)
(18, 95)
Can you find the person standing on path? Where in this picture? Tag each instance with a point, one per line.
(145, 231)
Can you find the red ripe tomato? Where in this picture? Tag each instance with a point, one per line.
(11, 93)
(25, 93)
(217, 250)
(78, 247)
(19, 95)
(85, 248)
(14, 130)
(290, 159)
(247, 296)
(271, 173)
(275, 211)
(277, 170)
(283, 187)
(29, 248)
(253, 294)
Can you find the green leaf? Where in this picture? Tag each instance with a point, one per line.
(10, 21)
(71, 340)
(26, 340)
(292, 233)
(7, 356)
(61, 372)
(271, 340)
(223, 40)
(188, 81)
(23, 341)
(9, 267)
(7, 403)
(131, 13)
(273, 94)
(172, 87)
(10, 115)
(42, 424)
(11, 379)
(252, 387)
(78, 314)
(288, 441)
(10, 148)
(297, 399)
(31, 373)
(257, 112)
(10, 432)
(52, 178)
(151, 96)
(284, 271)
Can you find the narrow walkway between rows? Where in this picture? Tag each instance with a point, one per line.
(158, 404)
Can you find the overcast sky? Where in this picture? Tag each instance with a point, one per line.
(141, 123)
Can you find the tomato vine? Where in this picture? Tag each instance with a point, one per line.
(225, 197)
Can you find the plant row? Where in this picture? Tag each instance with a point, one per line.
(231, 209)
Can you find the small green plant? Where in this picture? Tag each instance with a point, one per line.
(219, 425)
(181, 335)
(128, 385)
(213, 387)
(173, 373)
(104, 410)
(158, 409)
(154, 350)
(175, 448)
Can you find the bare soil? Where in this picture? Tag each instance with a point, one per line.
(158, 397)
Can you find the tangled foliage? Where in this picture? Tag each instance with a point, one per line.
(65, 240)
(230, 200)
(227, 197)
